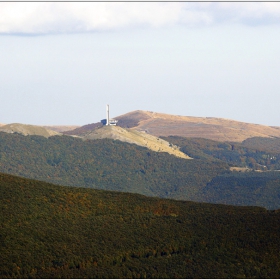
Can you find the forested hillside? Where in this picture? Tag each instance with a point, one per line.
(256, 153)
(270, 145)
(104, 164)
(237, 188)
(114, 165)
(50, 231)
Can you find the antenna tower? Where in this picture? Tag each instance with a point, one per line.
(108, 120)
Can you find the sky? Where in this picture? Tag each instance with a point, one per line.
(62, 62)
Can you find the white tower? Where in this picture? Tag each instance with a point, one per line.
(108, 120)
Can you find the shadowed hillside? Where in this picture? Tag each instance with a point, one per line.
(50, 231)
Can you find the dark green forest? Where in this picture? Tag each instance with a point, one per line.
(238, 188)
(114, 165)
(51, 231)
(257, 153)
(104, 164)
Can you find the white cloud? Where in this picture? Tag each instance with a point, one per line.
(60, 17)
(82, 16)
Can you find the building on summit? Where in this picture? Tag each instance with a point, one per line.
(108, 121)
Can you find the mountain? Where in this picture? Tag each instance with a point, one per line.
(53, 232)
(27, 129)
(135, 137)
(218, 129)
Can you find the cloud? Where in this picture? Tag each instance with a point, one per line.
(69, 17)
(44, 17)
(257, 13)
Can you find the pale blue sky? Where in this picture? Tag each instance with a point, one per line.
(61, 63)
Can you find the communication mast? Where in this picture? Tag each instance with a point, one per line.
(108, 121)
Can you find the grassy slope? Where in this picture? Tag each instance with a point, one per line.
(61, 128)
(50, 231)
(26, 129)
(135, 137)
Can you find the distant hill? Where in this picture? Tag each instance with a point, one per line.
(83, 129)
(210, 128)
(61, 128)
(53, 232)
(135, 137)
(26, 129)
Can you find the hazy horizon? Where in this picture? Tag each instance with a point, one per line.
(62, 62)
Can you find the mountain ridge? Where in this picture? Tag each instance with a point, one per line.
(218, 129)
(161, 124)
